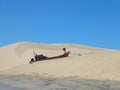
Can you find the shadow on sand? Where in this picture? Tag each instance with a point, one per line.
(71, 83)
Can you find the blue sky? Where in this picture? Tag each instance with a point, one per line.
(89, 22)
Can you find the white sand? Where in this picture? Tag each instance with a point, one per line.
(94, 63)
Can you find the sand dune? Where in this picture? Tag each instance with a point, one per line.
(84, 61)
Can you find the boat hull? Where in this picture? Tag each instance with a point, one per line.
(52, 58)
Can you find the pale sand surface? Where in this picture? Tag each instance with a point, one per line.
(84, 61)
(86, 68)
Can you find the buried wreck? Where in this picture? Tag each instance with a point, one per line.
(42, 57)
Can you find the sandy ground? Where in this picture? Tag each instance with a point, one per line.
(96, 65)
(71, 83)
(84, 61)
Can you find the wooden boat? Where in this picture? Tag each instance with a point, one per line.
(60, 56)
(41, 57)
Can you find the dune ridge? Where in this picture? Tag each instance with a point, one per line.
(84, 61)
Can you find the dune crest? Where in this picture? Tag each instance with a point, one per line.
(84, 61)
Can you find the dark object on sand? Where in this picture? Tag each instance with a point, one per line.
(42, 57)
(79, 54)
(64, 49)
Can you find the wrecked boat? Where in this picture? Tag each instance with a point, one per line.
(42, 57)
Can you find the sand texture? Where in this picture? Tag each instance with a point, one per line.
(83, 62)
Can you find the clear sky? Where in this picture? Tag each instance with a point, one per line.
(88, 22)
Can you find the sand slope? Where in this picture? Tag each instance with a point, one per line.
(84, 61)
